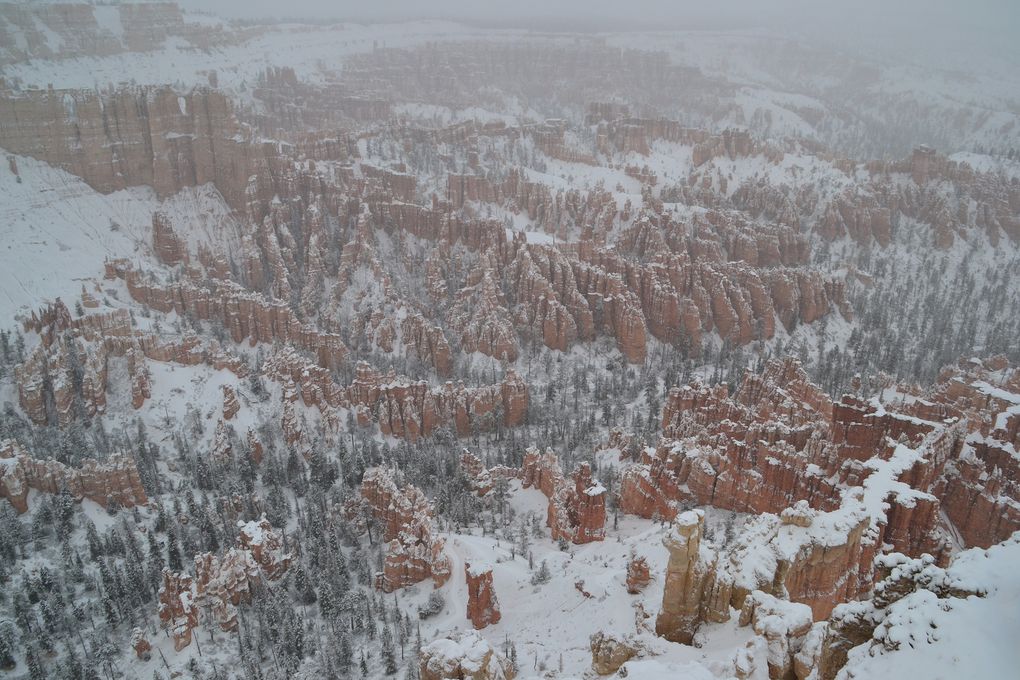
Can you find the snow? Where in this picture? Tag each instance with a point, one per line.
(478, 568)
(555, 618)
(108, 18)
(534, 236)
(56, 231)
(997, 392)
(253, 530)
(309, 49)
(53, 41)
(955, 637)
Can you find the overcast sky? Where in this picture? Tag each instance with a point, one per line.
(939, 29)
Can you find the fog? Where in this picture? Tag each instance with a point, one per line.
(937, 31)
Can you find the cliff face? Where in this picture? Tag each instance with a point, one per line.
(131, 137)
(114, 480)
(63, 30)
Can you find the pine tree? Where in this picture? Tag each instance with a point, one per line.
(6, 653)
(36, 671)
(542, 575)
(388, 657)
(173, 551)
(523, 540)
(413, 672)
(95, 543)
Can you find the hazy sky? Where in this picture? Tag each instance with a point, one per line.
(932, 28)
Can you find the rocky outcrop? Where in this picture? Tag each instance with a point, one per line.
(112, 481)
(167, 245)
(244, 314)
(404, 408)
(783, 624)
(779, 442)
(482, 606)
(577, 508)
(52, 373)
(222, 582)
(638, 575)
(69, 368)
(69, 30)
(609, 653)
(136, 136)
(689, 575)
(141, 645)
(265, 545)
(428, 342)
(178, 612)
(414, 550)
(482, 321)
(230, 404)
(478, 476)
(465, 656)
(885, 192)
(870, 621)
(255, 448)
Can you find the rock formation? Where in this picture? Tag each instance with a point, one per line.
(466, 656)
(478, 476)
(221, 582)
(414, 551)
(868, 622)
(404, 408)
(482, 606)
(886, 470)
(577, 509)
(140, 644)
(230, 403)
(638, 575)
(134, 136)
(609, 653)
(688, 577)
(783, 624)
(114, 480)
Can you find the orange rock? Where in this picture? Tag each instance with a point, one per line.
(413, 551)
(638, 575)
(115, 480)
(230, 403)
(577, 509)
(482, 606)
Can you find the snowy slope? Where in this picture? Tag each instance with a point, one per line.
(954, 638)
(55, 232)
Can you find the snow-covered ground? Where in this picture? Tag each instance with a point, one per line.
(55, 232)
(551, 624)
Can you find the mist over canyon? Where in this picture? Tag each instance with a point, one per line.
(476, 342)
